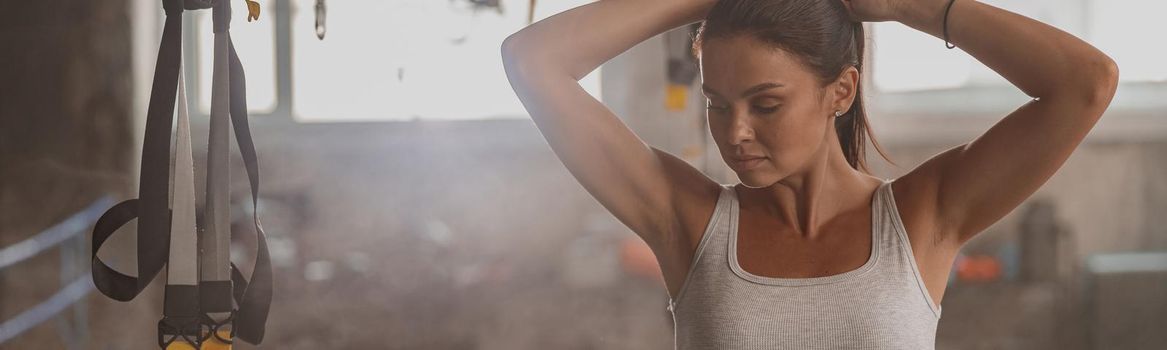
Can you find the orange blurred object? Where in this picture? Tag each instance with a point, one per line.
(978, 268)
(638, 259)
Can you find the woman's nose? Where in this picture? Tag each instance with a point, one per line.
(740, 131)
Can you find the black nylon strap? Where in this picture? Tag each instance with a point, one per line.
(254, 298)
(221, 16)
(152, 207)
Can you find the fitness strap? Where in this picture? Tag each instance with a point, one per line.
(153, 208)
(215, 242)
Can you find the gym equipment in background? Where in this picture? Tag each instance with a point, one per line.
(320, 19)
(202, 283)
(681, 65)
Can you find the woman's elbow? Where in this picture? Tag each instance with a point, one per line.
(1103, 81)
(510, 50)
(517, 54)
(1092, 84)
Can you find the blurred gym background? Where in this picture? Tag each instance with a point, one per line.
(411, 203)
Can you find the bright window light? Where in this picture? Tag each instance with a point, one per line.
(905, 59)
(408, 59)
(255, 44)
(1130, 31)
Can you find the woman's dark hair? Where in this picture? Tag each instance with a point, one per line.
(820, 34)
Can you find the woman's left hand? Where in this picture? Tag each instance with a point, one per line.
(874, 10)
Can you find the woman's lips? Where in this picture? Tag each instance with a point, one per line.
(748, 163)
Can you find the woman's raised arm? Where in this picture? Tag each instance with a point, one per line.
(640, 185)
(975, 184)
(579, 40)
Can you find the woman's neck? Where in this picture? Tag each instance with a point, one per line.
(808, 199)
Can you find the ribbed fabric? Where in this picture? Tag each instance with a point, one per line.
(880, 305)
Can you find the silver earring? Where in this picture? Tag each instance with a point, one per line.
(838, 114)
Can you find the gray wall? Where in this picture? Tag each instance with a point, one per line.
(65, 139)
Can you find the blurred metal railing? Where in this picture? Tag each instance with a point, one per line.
(76, 281)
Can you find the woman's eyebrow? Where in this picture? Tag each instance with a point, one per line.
(751, 91)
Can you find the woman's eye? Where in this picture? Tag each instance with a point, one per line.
(766, 110)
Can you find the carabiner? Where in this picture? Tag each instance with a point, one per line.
(320, 19)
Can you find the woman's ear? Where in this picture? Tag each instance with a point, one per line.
(844, 89)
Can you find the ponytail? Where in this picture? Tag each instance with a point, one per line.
(852, 127)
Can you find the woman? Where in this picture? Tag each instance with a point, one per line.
(809, 250)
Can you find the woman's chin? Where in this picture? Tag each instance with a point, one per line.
(752, 179)
(759, 177)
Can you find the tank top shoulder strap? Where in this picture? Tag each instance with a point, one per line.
(719, 220)
(886, 221)
(706, 259)
(718, 224)
(897, 243)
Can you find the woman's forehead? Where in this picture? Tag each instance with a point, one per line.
(733, 76)
(729, 70)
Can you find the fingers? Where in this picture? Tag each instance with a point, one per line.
(850, 12)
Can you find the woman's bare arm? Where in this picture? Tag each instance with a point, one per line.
(1072, 83)
(639, 184)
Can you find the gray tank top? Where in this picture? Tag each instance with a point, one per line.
(880, 305)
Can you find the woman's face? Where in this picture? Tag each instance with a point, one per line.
(763, 103)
